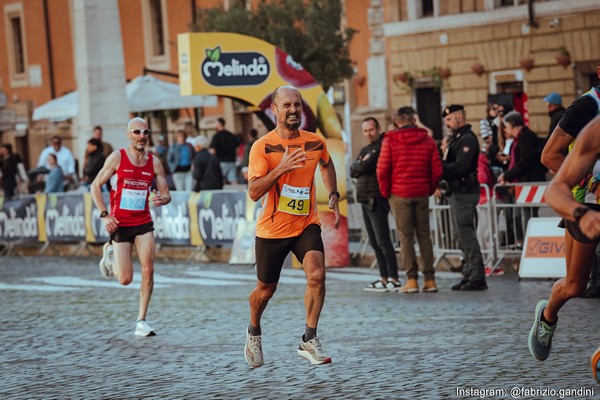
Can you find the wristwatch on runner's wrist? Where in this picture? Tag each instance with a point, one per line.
(336, 193)
(579, 212)
(103, 214)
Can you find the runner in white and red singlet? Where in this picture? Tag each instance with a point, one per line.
(131, 172)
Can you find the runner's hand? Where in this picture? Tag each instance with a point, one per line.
(590, 224)
(292, 161)
(157, 199)
(110, 223)
(334, 205)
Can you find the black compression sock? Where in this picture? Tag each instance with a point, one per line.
(546, 321)
(254, 331)
(309, 333)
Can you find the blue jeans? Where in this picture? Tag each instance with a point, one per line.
(378, 230)
(229, 171)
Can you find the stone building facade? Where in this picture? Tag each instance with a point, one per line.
(440, 52)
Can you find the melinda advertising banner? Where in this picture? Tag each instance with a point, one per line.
(250, 69)
(218, 214)
(64, 218)
(19, 220)
(95, 232)
(172, 222)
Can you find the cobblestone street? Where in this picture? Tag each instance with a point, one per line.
(68, 333)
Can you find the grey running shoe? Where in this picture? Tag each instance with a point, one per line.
(313, 352)
(253, 350)
(142, 329)
(106, 268)
(540, 336)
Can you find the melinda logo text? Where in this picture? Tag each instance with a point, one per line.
(234, 69)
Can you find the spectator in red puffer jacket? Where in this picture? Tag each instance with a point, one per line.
(408, 171)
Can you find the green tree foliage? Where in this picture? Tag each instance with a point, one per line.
(308, 30)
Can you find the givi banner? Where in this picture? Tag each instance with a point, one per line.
(544, 250)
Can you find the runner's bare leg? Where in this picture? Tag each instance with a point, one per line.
(259, 298)
(144, 245)
(579, 260)
(314, 296)
(122, 266)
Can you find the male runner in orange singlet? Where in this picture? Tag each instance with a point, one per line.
(281, 173)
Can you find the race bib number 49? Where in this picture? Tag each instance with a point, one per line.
(133, 199)
(294, 200)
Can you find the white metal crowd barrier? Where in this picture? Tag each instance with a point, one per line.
(501, 223)
(444, 238)
(514, 204)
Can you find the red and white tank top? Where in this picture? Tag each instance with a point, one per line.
(130, 191)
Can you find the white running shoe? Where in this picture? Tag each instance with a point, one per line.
(253, 350)
(106, 268)
(313, 352)
(143, 329)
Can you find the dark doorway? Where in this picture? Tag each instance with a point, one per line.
(429, 109)
(511, 96)
(427, 8)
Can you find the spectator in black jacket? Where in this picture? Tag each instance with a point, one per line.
(555, 110)
(524, 165)
(375, 208)
(206, 169)
(94, 161)
(224, 145)
(9, 166)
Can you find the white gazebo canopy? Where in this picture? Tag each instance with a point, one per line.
(144, 93)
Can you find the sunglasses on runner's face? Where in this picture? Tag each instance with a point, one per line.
(140, 131)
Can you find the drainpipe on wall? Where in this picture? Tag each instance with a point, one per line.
(49, 48)
(531, 12)
(193, 4)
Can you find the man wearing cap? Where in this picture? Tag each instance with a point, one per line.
(555, 110)
(460, 172)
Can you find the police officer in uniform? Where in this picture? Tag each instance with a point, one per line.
(461, 185)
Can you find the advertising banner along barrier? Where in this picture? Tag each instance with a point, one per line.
(219, 214)
(95, 232)
(64, 218)
(544, 250)
(172, 221)
(209, 218)
(19, 220)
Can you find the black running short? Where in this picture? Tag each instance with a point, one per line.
(128, 233)
(271, 253)
(575, 231)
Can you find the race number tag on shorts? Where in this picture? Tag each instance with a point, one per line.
(133, 199)
(294, 200)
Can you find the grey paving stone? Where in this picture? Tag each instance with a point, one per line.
(72, 336)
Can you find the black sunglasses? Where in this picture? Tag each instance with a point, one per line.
(140, 131)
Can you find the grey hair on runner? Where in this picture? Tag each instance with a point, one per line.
(136, 119)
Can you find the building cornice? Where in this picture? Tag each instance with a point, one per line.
(483, 18)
